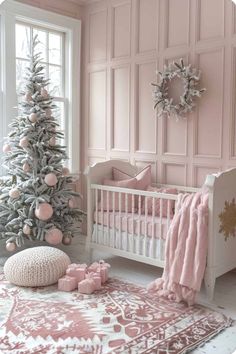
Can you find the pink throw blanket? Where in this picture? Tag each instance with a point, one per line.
(186, 249)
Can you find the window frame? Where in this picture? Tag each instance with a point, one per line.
(12, 12)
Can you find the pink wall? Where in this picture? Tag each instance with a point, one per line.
(125, 41)
(67, 8)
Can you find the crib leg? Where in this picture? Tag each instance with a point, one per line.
(209, 280)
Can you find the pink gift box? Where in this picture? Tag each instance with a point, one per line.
(86, 286)
(104, 264)
(93, 267)
(96, 278)
(103, 274)
(67, 283)
(77, 271)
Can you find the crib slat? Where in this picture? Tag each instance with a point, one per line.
(113, 217)
(160, 233)
(145, 226)
(153, 228)
(139, 223)
(133, 208)
(108, 217)
(120, 221)
(102, 211)
(127, 222)
(96, 206)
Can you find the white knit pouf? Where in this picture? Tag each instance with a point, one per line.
(38, 266)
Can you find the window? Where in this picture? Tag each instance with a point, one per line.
(60, 46)
(52, 49)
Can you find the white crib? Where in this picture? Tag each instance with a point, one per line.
(141, 237)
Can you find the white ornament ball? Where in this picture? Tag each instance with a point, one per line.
(48, 112)
(24, 142)
(14, 193)
(11, 246)
(26, 167)
(66, 240)
(6, 148)
(33, 117)
(28, 97)
(50, 179)
(44, 92)
(44, 211)
(52, 141)
(26, 229)
(54, 236)
(65, 171)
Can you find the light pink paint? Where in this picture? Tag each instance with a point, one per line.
(124, 43)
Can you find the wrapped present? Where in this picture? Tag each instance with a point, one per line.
(77, 271)
(93, 267)
(87, 286)
(103, 274)
(67, 283)
(104, 264)
(103, 267)
(97, 279)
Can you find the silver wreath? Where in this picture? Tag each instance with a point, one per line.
(190, 77)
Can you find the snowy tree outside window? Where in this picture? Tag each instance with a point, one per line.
(52, 49)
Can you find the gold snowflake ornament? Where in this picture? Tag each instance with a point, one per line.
(228, 220)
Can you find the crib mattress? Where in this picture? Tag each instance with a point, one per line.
(148, 247)
(134, 224)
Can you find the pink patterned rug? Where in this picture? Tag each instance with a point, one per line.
(121, 318)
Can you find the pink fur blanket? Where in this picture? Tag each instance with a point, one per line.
(186, 249)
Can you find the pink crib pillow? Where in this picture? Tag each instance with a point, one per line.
(128, 183)
(143, 177)
(157, 202)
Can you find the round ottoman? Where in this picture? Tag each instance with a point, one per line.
(38, 266)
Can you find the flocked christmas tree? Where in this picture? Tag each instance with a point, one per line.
(36, 200)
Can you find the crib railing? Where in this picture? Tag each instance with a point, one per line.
(135, 220)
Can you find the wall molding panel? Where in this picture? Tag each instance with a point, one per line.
(126, 42)
(121, 29)
(206, 28)
(177, 24)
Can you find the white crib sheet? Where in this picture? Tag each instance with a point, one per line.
(134, 223)
(139, 245)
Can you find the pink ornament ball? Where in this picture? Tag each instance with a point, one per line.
(26, 229)
(66, 240)
(33, 117)
(44, 92)
(44, 211)
(24, 142)
(48, 112)
(72, 203)
(52, 141)
(50, 179)
(11, 246)
(28, 97)
(6, 148)
(14, 193)
(26, 167)
(65, 171)
(54, 236)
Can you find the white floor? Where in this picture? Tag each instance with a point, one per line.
(142, 274)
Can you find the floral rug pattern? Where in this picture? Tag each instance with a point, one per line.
(121, 318)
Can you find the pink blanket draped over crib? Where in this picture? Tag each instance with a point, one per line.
(186, 249)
